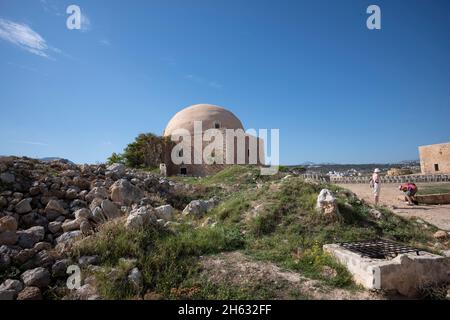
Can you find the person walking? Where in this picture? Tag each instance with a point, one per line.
(375, 184)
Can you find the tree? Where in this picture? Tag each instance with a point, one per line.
(146, 151)
(115, 158)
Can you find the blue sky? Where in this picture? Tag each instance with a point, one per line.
(337, 91)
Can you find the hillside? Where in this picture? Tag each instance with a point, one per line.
(136, 235)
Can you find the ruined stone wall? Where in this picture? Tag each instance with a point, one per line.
(395, 179)
(435, 158)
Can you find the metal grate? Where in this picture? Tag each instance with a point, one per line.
(378, 248)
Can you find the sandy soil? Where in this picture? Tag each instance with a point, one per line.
(439, 215)
(236, 268)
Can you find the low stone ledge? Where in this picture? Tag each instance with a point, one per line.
(405, 274)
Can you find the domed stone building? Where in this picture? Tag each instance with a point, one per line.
(210, 117)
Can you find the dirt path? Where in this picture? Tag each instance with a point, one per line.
(439, 215)
(237, 269)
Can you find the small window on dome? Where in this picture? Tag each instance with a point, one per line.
(217, 125)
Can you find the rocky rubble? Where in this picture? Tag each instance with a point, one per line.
(46, 206)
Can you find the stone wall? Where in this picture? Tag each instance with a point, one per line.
(384, 179)
(208, 169)
(435, 158)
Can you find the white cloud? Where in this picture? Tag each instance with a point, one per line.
(26, 38)
(85, 22)
(105, 42)
(51, 7)
(197, 79)
(215, 84)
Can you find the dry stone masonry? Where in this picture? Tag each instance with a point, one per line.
(46, 206)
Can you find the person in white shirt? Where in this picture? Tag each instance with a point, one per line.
(375, 184)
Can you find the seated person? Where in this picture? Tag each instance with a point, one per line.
(410, 189)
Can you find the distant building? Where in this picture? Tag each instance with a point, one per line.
(211, 117)
(435, 158)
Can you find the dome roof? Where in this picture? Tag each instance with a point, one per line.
(210, 115)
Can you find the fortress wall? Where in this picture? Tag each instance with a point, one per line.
(435, 158)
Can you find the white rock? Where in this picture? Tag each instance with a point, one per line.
(197, 208)
(165, 212)
(136, 280)
(71, 225)
(140, 217)
(82, 213)
(116, 170)
(38, 277)
(327, 203)
(69, 237)
(125, 193)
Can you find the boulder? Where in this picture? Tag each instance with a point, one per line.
(125, 193)
(69, 237)
(3, 202)
(97, 215)
(110, 210)
(71, 225)
(375, 213)
(7, 178)
(327, 204)
(197, 208)
(97, 192)
(59, 268)
(88, 260)
(5, 261)
(55, 227)
(165, 212)
(82, 213)
(11, 284)
(86, 228)
(33, 219)
(44, 259)
(30, 293)
(38, 277)
(8, 238)
(8, 223)
(71, 194)
(42, 246)
(24, 206)
(54, 209)
(28, 238)
(140, 217)
(81, 183)
(7, 294)
(21, 257)
(34, 191)
(115, 171)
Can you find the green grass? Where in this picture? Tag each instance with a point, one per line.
(166, 259)
(286, 230)
(433, 188)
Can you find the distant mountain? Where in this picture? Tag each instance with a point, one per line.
(307, 163)
(49, 159)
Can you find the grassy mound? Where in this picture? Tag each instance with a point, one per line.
(269, 218)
